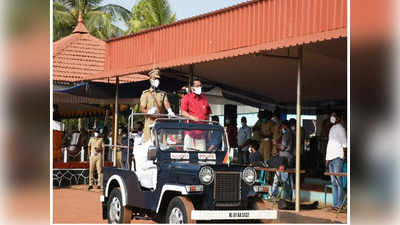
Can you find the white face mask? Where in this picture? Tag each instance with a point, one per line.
(273, 119)
(197, 90)
(119, 131)
(243, 124)
(333, 119)
(155, 83)
(293, 127)
(96, 134)
(283, 131)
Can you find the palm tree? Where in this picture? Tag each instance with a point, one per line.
(99, 19)
(150, 13)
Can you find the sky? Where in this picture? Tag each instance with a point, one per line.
(184, 8)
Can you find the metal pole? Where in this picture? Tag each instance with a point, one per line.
(298, 133)
(115, 131)
(191, 77)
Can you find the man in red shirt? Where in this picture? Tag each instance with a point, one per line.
(195, 107)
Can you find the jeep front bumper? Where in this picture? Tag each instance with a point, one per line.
(234, 214)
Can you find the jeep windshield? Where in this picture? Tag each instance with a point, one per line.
(192, 140)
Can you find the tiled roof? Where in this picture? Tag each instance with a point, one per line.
(80, 55)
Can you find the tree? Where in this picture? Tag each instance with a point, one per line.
(150, 13)
(99, 19)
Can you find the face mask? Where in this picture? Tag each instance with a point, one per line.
(227, 121)
(243, 124)
(155, 83)
(293, 128)
(273, 119)
(333, 119)
(197, 90)
(96, 134)
(284, 131)
(119, 132)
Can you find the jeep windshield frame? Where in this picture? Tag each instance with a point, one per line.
(190, 137)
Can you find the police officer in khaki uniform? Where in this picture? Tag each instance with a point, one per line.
(152, 101)
(270, 134)
(96, 147)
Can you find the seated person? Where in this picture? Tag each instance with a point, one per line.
(280, 163)
(255, 157)
(214, 137)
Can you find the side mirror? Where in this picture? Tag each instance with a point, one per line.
(152, 153)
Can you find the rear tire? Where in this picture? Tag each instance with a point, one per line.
(116, 212)
(179, 211)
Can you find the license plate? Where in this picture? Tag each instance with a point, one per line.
(233, 214)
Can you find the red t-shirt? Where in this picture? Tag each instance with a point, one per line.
(196, 105)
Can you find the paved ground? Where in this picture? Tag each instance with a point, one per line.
(77, 205)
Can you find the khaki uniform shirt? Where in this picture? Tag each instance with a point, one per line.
(147, 99)
(95, 143)
(271, 130)
(257, 130)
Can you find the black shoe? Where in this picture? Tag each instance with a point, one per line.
(90, 187)
(98, 187)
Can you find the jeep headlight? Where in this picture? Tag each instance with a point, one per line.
(206, 175)
(249, 175)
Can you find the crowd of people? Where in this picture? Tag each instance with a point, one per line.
(269, 143)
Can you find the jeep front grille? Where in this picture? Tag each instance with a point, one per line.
(227, 188)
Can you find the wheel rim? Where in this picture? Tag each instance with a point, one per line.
(176, 216)
(115, 210)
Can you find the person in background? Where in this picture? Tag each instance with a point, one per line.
(118, 154)
(276, 130)
(231, 131)
(215, 137)
(244, 135)
(280, 163)
(125, 151)
(254, 155)
(138, 135)
(257, 127)
(287, 144)
(195, 107)
(96, 147)
(337, 145)
(292, 125)
(285, 148)
(104, 135)
(267, 135)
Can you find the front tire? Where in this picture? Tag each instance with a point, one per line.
(180, 211)
(116, 212)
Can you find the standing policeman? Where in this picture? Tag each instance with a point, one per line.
(96, 147)
(152, 101)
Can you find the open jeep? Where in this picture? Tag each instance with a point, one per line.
(183, 175)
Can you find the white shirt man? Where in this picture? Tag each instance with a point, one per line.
(244, 134)
(337, 141)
